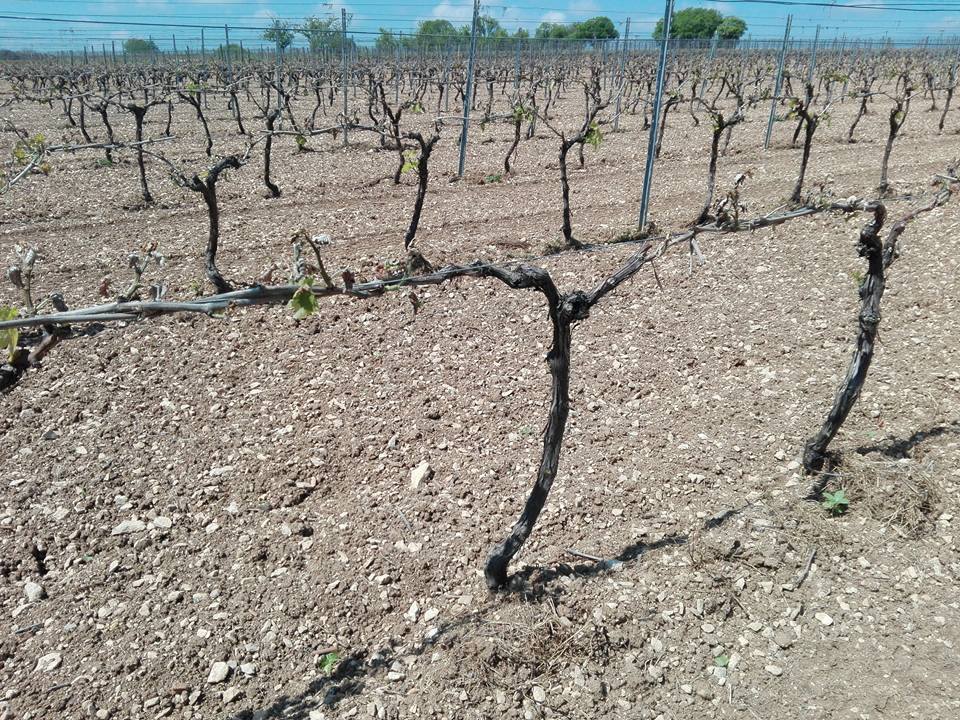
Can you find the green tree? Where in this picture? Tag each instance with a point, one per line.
(317, 31)
(279, 33)
(324, 33)
(388, 41)
(732, 28)
(521, 34)
(598, 28)
(488, 27)
(433, 30)
(696, 23)
(139, 46)
(552, 31)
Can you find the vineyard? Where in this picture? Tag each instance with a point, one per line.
(349, 385)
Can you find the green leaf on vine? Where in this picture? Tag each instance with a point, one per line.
(10, 336)
(410, 161)
(594, 136)
(304, 302)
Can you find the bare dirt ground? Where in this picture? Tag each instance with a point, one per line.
(192, 491)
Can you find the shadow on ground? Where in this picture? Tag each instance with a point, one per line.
(533, 584)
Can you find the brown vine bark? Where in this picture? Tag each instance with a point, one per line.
(207, 187)
(423, 177)
(898, 116)
(871, 292)
(810, 123)
(194, 101)
(139, 112)
(879, 259)
(720, 125)
(271, 119)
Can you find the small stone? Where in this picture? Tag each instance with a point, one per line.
(231, 694)
(431, 614)
(34, 591)
(49, 662)
(414, 612)
(163, 523)
(775, 670)
(129, 526)
(420, 474)
(539, 694)
(824, 618)
(248, 668)
(218, 672)
(784, 638)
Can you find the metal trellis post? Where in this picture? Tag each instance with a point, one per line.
(655, 120)
(621, 76)
(776, 87)
(468, 96)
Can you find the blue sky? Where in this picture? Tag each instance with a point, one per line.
(764, 21)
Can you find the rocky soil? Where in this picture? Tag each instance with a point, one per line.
(254, 517)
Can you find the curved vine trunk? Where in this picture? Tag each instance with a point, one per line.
(517, 122)
(898, 116)
(860, 113)
(83, 122)
(566, 227)
(207, 187)
(809, 129)
(209, 194)
(871, 292)
(946, 104)
(423, 177)
(235, 106)
(139, 112)
(718, 129)
(271, 119)
(879, 259)
(194, 101)
(558, 360)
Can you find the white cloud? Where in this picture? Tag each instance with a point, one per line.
(457, 14)
(554, 16)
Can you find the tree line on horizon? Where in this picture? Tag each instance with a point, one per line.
(325, 33)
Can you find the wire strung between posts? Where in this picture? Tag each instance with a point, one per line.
(651, 250)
